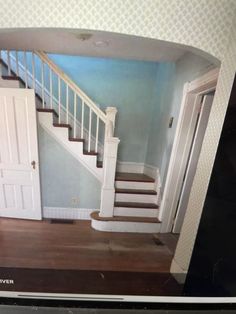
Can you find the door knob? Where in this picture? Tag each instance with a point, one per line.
(33, 163)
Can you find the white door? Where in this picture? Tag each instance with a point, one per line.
(192, 162)
(19, 166)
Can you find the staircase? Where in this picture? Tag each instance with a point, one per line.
(129, 201)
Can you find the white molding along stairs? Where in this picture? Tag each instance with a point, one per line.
(61, 134)
(129, 201)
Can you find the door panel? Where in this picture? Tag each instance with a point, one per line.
(19, 181)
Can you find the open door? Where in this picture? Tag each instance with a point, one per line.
(19, 166)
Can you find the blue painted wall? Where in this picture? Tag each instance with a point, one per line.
(126, 84)
(162, 99)
(146, 95)
(63, 177)
(169, 88)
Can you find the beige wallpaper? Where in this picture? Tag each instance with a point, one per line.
(204, 24)
(200, 23)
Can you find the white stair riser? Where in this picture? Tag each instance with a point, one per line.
(135, 212)
(75, 148)
(138, 198)
(135, 185)
(9, 83)
(124, 226)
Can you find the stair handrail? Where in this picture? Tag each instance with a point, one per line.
(89, 102)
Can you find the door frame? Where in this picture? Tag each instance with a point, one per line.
(195, 149)
(192, 91)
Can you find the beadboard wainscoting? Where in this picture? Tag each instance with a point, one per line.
(67, 213)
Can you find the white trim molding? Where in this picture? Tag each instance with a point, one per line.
(191, 95)
(179, 273)
(131, 167)
(67, 213)
(137, 167)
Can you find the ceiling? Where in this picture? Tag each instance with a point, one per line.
(91, 43)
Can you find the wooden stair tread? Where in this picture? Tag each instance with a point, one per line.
(62, 125)
(136, 205)
(92, 153)
(95, 215)
(136, 191)
(99, 164)
(11, 77)
(47, 110)
(134, 177)
(75, 139)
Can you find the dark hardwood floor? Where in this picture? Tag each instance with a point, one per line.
(40, 244)
(40, 256)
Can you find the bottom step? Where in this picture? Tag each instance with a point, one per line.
(125, 224)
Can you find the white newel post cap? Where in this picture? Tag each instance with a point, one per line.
(111, 114)
(111, 110)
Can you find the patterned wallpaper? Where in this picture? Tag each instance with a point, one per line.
(204, 24)
(200, 23)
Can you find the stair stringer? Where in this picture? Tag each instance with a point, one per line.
(75, 148)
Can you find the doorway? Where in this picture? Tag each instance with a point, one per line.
(191, 126)
(193, 155)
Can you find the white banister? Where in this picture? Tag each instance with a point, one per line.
(90, 126)
(111, 117)
(75, 114)
(59, 99)
(33, 70)
(81, 112)
(50, 87)
(25, 66)
(17, 64)
(8, 63)
(42, 82)
(82, 120)
(67, 104)
(43, 56)
(108, 187)
(97, 133)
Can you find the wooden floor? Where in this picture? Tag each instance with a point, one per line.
(41, 244)
(74, 258)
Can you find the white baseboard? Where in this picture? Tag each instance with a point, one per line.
(151, 171)
(137, 167)
(67, 213)
(132, 167)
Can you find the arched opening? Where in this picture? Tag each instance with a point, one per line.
(144, 79)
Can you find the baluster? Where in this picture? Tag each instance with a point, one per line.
(97, 131)
(8, 63)
(90, 125)
(33, 71)
(50, 86)
(75, 110)
(25, 65)
(17, 64)
(82, 121)
(67, 104)
(42, 82)
(59, 99)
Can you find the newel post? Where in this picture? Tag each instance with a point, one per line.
(109, 161)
